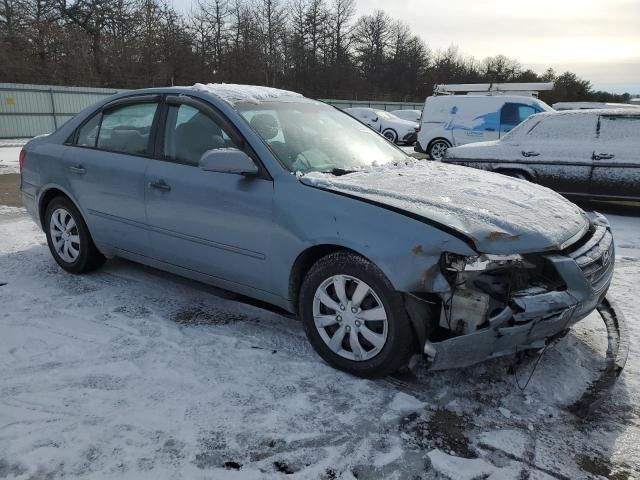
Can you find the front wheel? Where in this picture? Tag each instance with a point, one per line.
(390, 135)
(438, 148)
(68, 238)
(353, 318)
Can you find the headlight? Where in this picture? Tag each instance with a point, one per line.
(459, 263)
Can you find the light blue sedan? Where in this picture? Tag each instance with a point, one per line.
(290, 201)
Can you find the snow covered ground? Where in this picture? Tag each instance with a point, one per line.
(9, 153)
(133, 373)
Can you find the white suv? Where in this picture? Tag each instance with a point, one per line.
(394, 129)
(452, 120)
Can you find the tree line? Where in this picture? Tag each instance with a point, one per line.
(316, 47)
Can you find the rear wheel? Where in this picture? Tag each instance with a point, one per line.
(438, 148)
(68, 238)
(353, 317)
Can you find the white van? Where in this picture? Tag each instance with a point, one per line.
(453, 120)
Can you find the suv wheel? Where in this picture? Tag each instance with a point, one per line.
(353, 317)
(438, 148)
(68, 238)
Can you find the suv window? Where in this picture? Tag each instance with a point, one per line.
(514, 113)
(189, 133)
(565, 127)
(127, 128)
(618, 127)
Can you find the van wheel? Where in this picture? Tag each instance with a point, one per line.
(438, 148)
(390, 135)
(68, 238)
(354, 318)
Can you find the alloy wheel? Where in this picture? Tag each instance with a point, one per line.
(65, 235)
(350, 318)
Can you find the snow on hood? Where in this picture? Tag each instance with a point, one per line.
(233, 94)
(499, 214)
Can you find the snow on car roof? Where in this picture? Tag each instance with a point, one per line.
(233, 94)
(595, 111)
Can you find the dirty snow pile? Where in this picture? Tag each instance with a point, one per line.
(233, 94)
(131, 373)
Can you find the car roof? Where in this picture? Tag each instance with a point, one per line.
(231, 94)
(610, 112)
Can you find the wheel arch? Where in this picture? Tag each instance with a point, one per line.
(437, 139)
(306, 259)
(49, 193)
(509, 169)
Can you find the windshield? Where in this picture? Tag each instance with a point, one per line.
(314, 137)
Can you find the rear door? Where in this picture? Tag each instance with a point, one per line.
(218, 224)
(616, 158)
(558, 150)
(106, 166)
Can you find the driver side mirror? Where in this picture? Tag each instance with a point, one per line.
(228, 160)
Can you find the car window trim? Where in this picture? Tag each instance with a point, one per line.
(217, 116)
(132, 99)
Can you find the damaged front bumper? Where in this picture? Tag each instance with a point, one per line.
(534, 317)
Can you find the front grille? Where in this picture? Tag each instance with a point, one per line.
(594, 254)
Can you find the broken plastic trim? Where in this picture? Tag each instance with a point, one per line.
(615, 360)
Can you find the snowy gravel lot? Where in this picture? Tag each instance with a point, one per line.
(134, 373)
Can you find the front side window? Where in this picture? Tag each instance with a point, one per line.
(515, 113)
(189, 133)
(127, 128)
(563, 127)
(314, 137)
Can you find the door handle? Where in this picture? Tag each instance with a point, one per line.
(489, 129)
(77, 169)
(160, 185)
(530, 154)
(603, 156)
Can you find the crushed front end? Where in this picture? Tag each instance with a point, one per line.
(499, 305)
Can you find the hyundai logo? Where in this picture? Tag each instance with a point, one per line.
(606, 258)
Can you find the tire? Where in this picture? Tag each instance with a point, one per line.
(515, 174)
(80, 255)
(437, 149)
(391, 135)
(381, 346)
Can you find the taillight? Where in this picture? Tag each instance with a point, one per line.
(420, 121)
(23, 157)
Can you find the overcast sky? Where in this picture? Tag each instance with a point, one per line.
(598, 39)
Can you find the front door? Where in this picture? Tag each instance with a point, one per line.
(213, 223)
(559, 150)
(106, 169)
(616, 158)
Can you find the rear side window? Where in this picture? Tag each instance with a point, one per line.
(88, 134)
(619, 128)
(189, 133)
(565, 127)
(514, 113)
(127, 128)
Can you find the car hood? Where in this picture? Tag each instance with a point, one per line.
(500, 215)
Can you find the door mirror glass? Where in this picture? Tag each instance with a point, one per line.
(228, 160)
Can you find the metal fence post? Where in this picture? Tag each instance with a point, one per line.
(53, 109)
